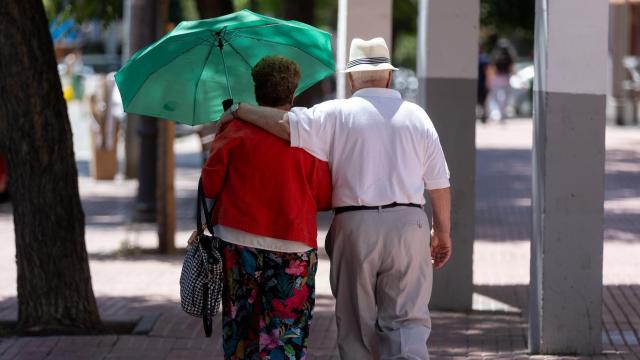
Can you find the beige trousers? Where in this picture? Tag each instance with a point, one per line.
(381, 277)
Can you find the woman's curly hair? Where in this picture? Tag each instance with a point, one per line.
(275, 79)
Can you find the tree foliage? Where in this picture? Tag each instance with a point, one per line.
(508, 16)
(209, 9)
(81, 10)
(405, 23)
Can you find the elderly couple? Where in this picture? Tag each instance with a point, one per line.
(370, 159)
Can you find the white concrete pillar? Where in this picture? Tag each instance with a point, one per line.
(568, 176)
(365, 19)
(447, 60)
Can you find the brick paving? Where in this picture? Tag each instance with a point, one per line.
(129, 283)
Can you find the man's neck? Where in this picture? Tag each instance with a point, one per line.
(368, 87)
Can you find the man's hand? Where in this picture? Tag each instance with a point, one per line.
(225, 118)
(273, 120)
(441, 233)
(440, 248)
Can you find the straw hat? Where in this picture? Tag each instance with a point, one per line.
(366, 55)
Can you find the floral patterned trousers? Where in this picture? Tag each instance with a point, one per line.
(267, 302)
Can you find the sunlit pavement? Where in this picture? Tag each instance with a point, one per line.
(129, 284)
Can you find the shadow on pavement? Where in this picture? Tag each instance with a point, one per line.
(173, 333)
(516, 296)
(477, 334)
(140, 255)
(110, 211)
(503, 195)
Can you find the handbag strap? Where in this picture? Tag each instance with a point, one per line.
(201, 207)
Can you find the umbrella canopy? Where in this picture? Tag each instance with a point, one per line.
(186, 75)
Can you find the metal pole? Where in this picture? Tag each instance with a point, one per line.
(224, 64)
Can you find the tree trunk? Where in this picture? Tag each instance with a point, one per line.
(635, 29)
(304, 11)
(165, 172)
(129, 47)
(212, 8)
(54, 283)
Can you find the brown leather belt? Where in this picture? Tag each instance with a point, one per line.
(342, 209)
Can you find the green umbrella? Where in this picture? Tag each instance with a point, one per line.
(186, 75)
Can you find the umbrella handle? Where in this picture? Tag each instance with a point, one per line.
(226, 104)
(219, 34)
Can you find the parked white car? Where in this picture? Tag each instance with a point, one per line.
(521, 101)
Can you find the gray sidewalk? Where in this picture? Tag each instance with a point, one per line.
(129, 286)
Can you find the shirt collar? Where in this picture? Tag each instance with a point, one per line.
(379, 92)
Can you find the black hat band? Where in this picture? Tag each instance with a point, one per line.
(369, 61)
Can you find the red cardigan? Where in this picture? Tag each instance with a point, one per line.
(263, 186)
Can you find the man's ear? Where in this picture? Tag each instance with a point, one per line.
(293, 98)
(350, 80)
(389, 79)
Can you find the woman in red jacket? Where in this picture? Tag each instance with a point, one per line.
(267, 196)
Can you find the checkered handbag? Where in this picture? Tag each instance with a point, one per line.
(201, 276)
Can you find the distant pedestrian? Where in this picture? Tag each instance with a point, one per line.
(500, 71)
(267, 196)
(483, 89)
(383, 152)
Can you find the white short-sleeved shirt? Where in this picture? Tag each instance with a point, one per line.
(380, 148)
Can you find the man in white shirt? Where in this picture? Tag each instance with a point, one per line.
(383, 153)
